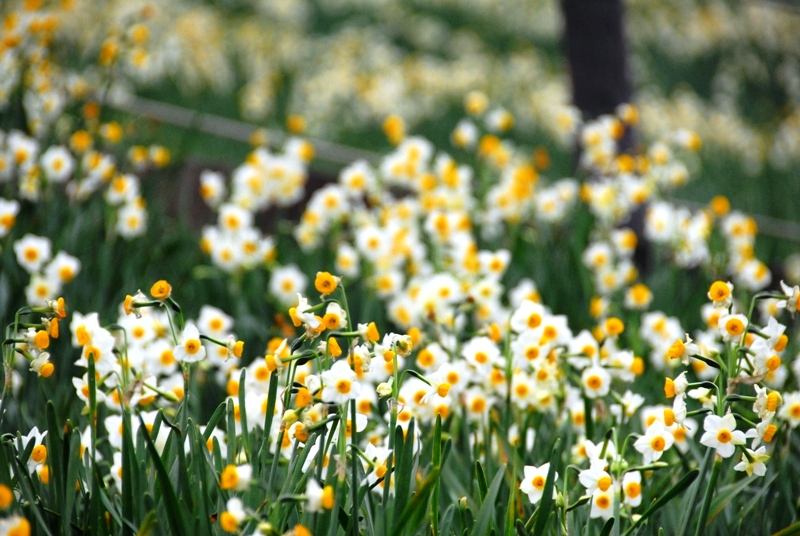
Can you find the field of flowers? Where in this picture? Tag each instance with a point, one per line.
(454, 323)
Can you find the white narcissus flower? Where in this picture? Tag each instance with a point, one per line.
(596, 381)
(792, 302)
(654, 442)
(732, 326)
(790, 409)
(595, 477)
(757, 465)
(189, 348)
(529, 315)
(534, 481)
(683, 350)
(632, 488)
(602, 503)
(318, 497)
(340, 384)
(236, 477)
(721, 434)
(32, 252)
(233, 515)
(39, 452)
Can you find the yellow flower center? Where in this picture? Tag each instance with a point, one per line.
(603, 502)
(724, 436)
(633, 489)
(734, 327)
(39, 454)
(343, 386)
(192, 346)
(594, 382)
(658, 443)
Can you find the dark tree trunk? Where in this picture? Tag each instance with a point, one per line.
(595, 46)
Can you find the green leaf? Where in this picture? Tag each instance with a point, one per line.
(676, 490)
(26, 488)
(412, 514)
(55, 449)
(580, 502)
(480, 476)
(213, 421)
(200, 469)
(148, 524)
(691, 501)
(791, 530)
(231, 433)
(540, 527)
(172, 507)
(765, 488)
(724, 495)
(129, 473)
(243, 416)
(607, 527)
(486, 513)
(437, 466)
(73, 467)
(404, 468)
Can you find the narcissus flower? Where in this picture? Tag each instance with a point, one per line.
(233, 515)
(325, 283)
(42, 366)
(318, 497)
(683, 350)
(720, 293)
(161, 290)
(792, 301)
(632, 488)
(654, 442)
(596, 381)
(602, 504)
(32, 252)
(236, 477)
(189, 348)
(534, 481)
(755, 463)
(732, 326)
(340, 384)
(721, 434)
(16, 525)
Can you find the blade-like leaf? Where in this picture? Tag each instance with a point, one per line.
(609, 525)
(412, 514)
(486, 513)
(172, 507)
(676, 490)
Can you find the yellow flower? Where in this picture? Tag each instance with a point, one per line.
(325, 283)
(6, 497)
(161, 290)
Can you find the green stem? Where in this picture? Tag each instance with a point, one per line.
(712, 482)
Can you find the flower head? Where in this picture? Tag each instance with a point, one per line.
(754, 463)
(340, 384)
(161, 290)
(721, 434)
(189, 348)
(534, 482)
